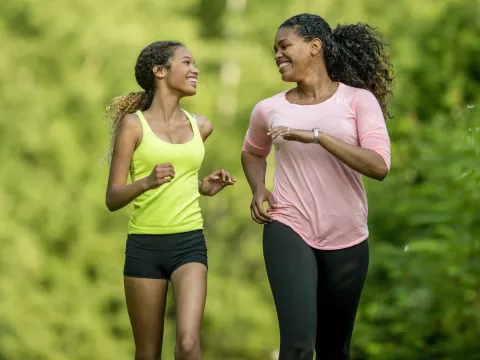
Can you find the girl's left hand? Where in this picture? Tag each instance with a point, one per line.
(303, 136)
(215, 182)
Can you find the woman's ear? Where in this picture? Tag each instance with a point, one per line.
(315, 46)
(159, 71)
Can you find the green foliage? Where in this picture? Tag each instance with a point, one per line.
(422, 295)
(62, 252)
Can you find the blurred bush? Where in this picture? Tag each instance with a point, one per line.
(62, 252)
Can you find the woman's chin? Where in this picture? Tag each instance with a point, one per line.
(189, 92)
(287, 77)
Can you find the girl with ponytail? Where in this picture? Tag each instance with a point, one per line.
(328, 131)
(161, 146)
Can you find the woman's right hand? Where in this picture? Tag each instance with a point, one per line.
(161, 174)
(259, 215)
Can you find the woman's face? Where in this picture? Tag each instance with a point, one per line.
(293, 54)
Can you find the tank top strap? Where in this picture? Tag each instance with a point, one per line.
(145, 127)
(193, 123)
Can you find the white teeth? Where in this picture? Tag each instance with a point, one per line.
(192, 80)
(282, 65)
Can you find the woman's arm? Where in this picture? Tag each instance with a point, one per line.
(372, 157)
(119, 194)
(367, 162)
(256, 147)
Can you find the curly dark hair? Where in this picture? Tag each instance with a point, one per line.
(354, 54)
(158, 53)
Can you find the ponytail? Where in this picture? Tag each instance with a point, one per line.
(120, 106)
(355, 56)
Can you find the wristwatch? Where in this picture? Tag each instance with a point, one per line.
(315, 135)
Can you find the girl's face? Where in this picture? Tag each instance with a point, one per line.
(182, 74)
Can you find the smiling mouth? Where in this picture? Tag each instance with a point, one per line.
(192, 80)
(282, 66)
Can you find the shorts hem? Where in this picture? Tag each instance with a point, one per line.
(145, 276)
(190, 262)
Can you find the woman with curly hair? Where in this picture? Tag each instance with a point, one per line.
(161, 146)
(328, 131)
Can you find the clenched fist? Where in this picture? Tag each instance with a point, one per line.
(161, 174)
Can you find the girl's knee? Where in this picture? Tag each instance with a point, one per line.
(188, 348)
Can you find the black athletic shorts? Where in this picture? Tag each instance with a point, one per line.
(158, 256)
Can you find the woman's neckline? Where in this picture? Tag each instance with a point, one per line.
(284, 97)
(165, 141)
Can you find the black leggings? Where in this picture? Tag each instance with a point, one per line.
(316, 293)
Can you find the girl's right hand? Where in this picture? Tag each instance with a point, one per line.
(259, 215)
(161, 174)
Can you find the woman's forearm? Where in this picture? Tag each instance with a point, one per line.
(367, 162)
(255, 168)
(118, 197)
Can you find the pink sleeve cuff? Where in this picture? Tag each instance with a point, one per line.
(385, 155)
(377, 140)
(251, 148)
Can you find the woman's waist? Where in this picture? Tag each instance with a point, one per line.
(318, 203)
(325, 225)
(171, 199)
(164, 220)
(181, 185)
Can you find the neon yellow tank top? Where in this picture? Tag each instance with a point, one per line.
(173, 207)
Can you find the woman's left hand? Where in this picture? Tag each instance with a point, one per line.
(215, 182)
(303, 136)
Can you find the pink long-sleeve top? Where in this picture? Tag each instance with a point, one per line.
(317, 195)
